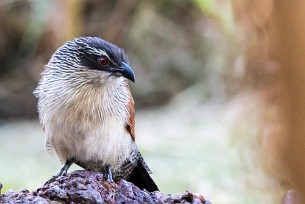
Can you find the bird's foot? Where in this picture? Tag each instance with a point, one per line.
(52, 179)
(108, 178)
(64, 168)
(63, 171)
(108, 174)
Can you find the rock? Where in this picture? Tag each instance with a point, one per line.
(91, 187)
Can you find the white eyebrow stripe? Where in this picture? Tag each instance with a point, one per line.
(96, 51)
(103, 52)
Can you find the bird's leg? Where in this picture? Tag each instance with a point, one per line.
(108, 174)
(64, 168)
(61, 172)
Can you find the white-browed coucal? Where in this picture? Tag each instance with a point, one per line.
(87, 111)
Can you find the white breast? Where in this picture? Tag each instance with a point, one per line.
(88, 124)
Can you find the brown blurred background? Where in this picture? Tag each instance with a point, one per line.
(222, 80)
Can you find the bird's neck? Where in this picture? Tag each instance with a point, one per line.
(108, 100)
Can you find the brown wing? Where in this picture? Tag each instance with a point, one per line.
(131, 120)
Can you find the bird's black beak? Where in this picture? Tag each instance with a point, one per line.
(125, 71)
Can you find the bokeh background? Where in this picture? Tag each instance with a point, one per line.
(220, 90)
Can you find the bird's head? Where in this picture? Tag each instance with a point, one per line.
(91, 58)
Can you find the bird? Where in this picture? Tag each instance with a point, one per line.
(87, 111)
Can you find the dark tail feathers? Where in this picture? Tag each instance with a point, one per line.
(141, 178)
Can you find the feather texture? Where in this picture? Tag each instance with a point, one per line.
(87, 111)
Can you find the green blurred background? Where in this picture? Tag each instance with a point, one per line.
(201, 69)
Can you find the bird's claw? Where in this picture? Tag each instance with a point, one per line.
(62, 172)
(52, 179)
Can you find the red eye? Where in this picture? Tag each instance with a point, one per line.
(104, 61)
